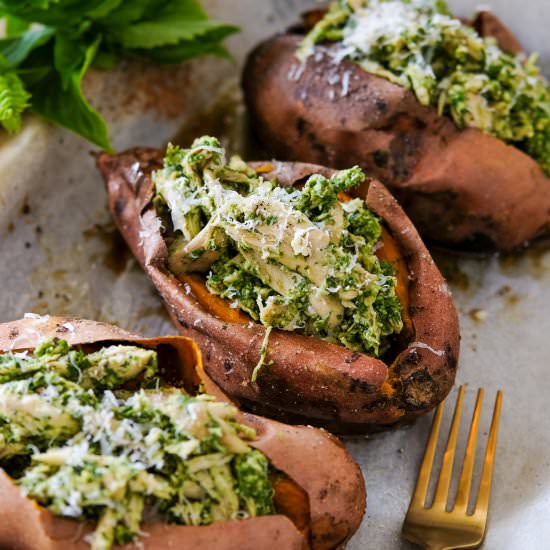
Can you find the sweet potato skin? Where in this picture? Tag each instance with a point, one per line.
(308, 380)
(313, 459)
(461, 188)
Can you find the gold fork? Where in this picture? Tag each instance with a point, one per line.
(435, 528)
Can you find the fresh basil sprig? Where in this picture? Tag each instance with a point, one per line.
(50, 44)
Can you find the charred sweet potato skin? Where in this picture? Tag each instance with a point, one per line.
(316, 461)
(307, 379)
(461, 188)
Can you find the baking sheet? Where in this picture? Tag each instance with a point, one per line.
(61, 254)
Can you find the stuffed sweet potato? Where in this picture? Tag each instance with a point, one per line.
(455, 125)
(366, 337)
(80, 438)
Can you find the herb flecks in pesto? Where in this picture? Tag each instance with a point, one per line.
(418, 44)
(95, 450)
(293, 259)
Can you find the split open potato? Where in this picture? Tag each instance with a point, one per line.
(304, 378)
(318, 491)
(461, 186)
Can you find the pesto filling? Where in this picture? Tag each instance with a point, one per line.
(84, 447)
(293, 259)
(421, 46)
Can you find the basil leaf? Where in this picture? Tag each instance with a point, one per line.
(14, 99)
(69, 55)
(180, 8)
(16, 50)
(130, 12)
(208, 45)
(104, 9)
(168, 24)
(51, 60)
(61, 13)
(31, 76)
(15, 26)
(60, 100)
(153, 34)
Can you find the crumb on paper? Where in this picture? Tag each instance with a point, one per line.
(479, 315)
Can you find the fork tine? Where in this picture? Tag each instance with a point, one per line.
(484, 494)
(465, 483)
(423, 481)
(444, 481)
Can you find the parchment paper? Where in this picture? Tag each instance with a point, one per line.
(61, 255)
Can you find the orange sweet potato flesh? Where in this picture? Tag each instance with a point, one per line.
(320, 497)
(292, 501)
(307, 379)
(389, 252)
(211, 303)
(461, 188)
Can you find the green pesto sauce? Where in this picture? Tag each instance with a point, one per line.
(296, 260)
(81, 445)
(418, 44)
